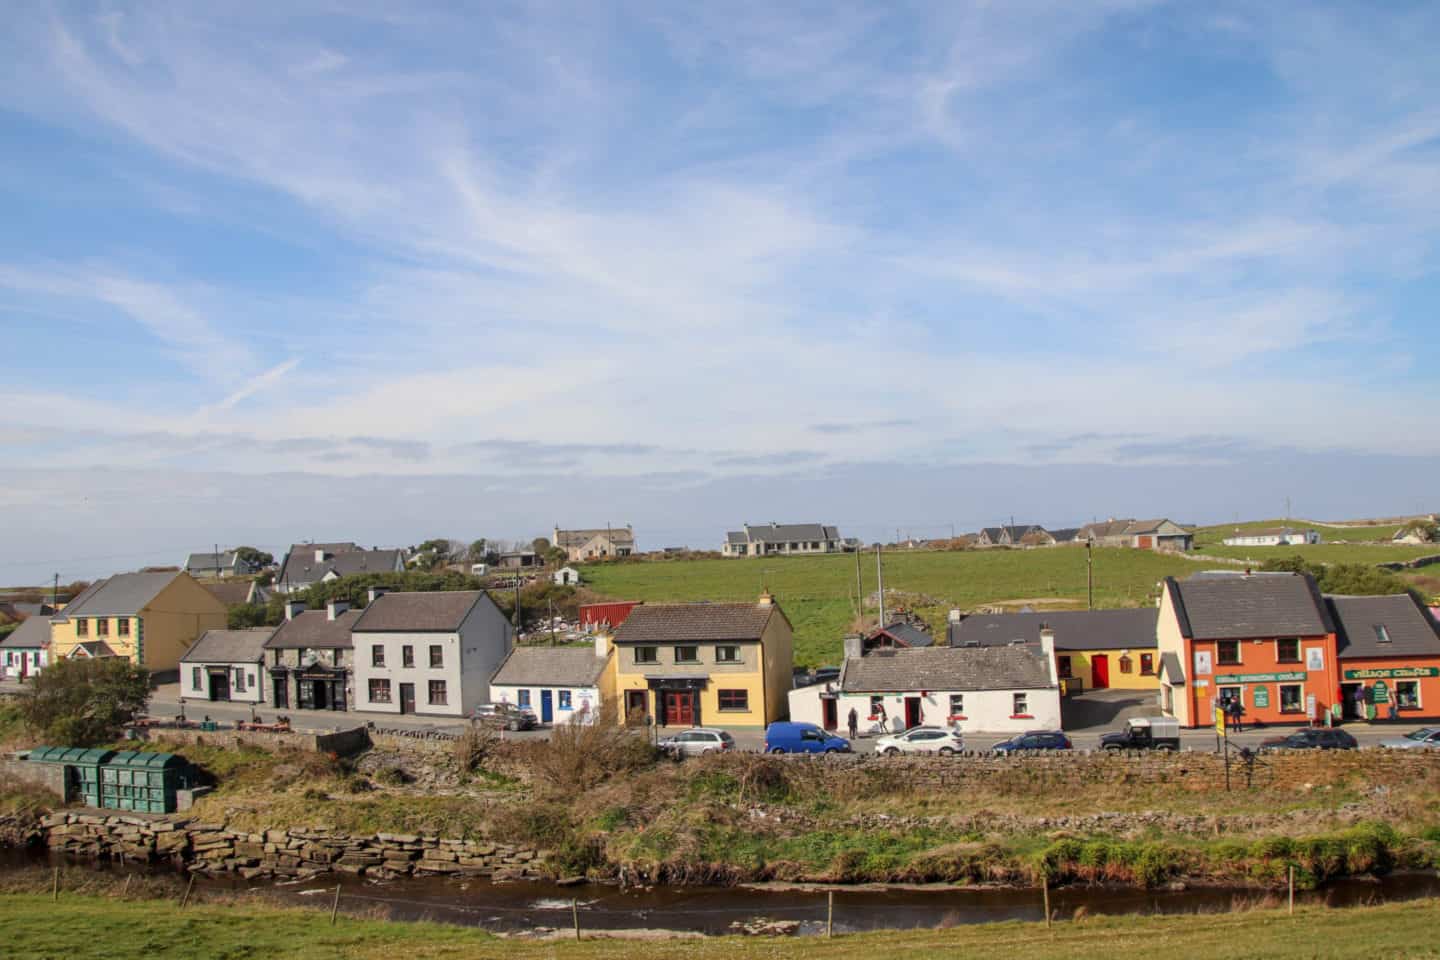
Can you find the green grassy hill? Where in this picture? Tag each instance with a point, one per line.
(1205, 536)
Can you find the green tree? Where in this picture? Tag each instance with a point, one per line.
(478, 551)
(557, 556)
(243, 616)
(540, 545)
(84, 703)
(257, 557)
(431, 554)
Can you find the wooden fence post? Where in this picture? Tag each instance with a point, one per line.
(575, 916)
(55, 886)
(1292, 889)
(829, 914)
(1045, 891)
(335, 907)
(188, 887)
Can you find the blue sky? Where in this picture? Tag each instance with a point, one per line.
(472, 272)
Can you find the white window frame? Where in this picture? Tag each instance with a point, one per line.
(1020, 704)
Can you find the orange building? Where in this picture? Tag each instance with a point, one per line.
(1389, 657)
(1266, 640)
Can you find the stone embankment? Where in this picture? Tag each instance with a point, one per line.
(297, 853)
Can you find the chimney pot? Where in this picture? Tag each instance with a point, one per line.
(334, 608)
(319, 555)
(602, 645)
(294, 608)
(854, 647)
(375, 593)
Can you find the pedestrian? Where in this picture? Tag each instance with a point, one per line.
(854, 721)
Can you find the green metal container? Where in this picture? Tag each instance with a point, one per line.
(82, 770)
(143, 782)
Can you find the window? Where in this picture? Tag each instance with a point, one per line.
(687, 654)
(1227, 694)
(1407, 694)
(377, 658)
(1287, 650)
(407, 656)
(1147, 664)
(1062, 664)
(1381, 634)
(1021, 705)
(379, 691)
(734, 699)
(727, 654)
(1228, 652)
(437, 693)
(195, 682)
(1290, 699)
(437, 656)
(522, 699)
(82, 627)
(278, 661)
(1127, 665)
(102, 627)
(957, 704)
(239, 680)
(122, 626)
(647, 654)
(877, 707)
(564, 699)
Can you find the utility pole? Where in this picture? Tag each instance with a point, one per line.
(1090, 573)
(55, 593)
(1287, 508)
(551, 604)
(517, 602)
(859, 587)
(880, 583)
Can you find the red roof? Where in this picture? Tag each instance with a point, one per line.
(613, 614)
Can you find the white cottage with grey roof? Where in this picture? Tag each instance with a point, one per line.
(784, 539)
(1003, 690)
(557, 684)
(226, 665)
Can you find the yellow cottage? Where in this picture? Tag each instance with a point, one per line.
(1094, 649)
(150, 618)
(703, 664)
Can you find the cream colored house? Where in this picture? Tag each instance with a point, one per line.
(600, 543)
(150, 618)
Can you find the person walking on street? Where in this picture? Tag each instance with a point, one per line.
(854, 721)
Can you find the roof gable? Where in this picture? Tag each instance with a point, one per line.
(1074, 629)
(229, 646)
(32, 634)
(947, 668)
(681, 622)
(551, 666)
(419, 612)
(1235, 607)
(123, 595)
(1408, 627)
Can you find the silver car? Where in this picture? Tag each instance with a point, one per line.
(1426, 738)
(697, 741)
(922, 740)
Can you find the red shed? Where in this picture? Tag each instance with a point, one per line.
(606, 614)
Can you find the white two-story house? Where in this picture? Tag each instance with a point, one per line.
(430, 653)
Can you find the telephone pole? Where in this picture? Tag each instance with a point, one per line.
(880, 583)
(859, 587)
(1090, 573)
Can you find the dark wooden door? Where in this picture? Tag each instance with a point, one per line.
(282, 693)
(219, 685)
(407, 698)
(679, 708)
(636, 707)
(831, 709)
(913, 715)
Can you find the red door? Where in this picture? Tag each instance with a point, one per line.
(913, 714)
(679, 708)
(1100, 671)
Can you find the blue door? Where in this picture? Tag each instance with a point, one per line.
(547, 712)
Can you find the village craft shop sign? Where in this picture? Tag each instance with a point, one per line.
(1392, 673)
(1260, 677)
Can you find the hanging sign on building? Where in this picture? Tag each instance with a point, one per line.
(1392, 673)
(1261, 696)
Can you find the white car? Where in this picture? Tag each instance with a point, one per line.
(697, 741)
(1426, 738)
(922, 740)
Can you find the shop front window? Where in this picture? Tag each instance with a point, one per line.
(1407, 694)
(1292, 699)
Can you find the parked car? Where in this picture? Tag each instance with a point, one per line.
(504, 716)
(922, 740)
(1312, 738)
(1144, 733)
(787, 736)
(1426, 738)
(825, 675)
(697, 741)
(1036, 740)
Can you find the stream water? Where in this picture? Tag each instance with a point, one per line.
(525, 906)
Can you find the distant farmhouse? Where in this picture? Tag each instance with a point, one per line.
(770, 539)
(1015, 535)
(310, 563)
(1139, 534)
(582, 545)
(217, 565)
(1272, 537)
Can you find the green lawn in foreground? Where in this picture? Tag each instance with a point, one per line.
(817, 593)
(80, 928)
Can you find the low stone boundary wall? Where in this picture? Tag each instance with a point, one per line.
(298, 853)
(342, 742)
(47, 776)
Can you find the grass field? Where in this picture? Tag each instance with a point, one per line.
(84, 927)
(1205, 536)
(818, 593)
(1325, 552)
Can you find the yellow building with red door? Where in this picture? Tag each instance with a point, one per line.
(703, 664)
(1094, 649)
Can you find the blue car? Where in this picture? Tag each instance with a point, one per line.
(790, 737)
(1039, 740)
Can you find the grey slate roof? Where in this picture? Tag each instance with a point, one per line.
(230, 591)
(551, 667)
(1410, 627)
(786, 532)
(418, 612)
(907, 634)
(32, 634)
(229, 646)
(684, 622)
(1065, 534)
(946, 668)
(33, 609)
(1170, 669)
(314, 628)
(346, 559)
(1074, 629)
(1235, 607)
(123, 595)
(94, 649)
(210, 561)
(578, 538)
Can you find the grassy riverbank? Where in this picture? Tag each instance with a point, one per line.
(109, 928)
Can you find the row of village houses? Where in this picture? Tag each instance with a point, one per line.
(1271, 642)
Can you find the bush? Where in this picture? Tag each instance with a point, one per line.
(84, 703)
(580, 756)
(473, 747)
(394, 777)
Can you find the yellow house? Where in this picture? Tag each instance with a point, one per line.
(1094, 649)
(703, 664)
(151, 618)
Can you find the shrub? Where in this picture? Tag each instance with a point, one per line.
(84, 703)
(580, 756)
(394, 777)
(473, 747)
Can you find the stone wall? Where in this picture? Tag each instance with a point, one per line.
(46, 776)
(342, 742)
(296, 853)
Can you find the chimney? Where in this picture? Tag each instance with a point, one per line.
(854, 647)
(294, 607)
(375, 593)
(602, 645)
(955, 616)
(334, 608)
(319, 555)
(1047, 647)
(767, 599)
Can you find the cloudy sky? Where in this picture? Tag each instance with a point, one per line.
(375, 271)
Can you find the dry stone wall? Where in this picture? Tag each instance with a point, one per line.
(297, 853)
